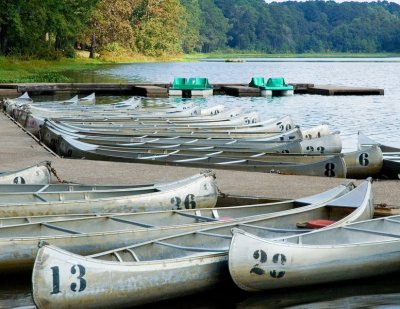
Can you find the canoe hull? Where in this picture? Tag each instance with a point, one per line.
(132, 284)
(289, 265)
(199, 191)
(37, 174)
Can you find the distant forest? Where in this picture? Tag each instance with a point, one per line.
(42, 28)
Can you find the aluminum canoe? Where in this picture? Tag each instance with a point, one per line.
(36, 174)
(200, 190)
(391, 156)
(87, 235)
(354, 251)
(332, 166)
(153, 270)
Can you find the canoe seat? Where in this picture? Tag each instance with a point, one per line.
(315, 224)
(227, 218)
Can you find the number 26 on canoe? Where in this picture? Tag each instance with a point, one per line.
(189, 202)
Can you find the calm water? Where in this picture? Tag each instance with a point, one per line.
(377, 116)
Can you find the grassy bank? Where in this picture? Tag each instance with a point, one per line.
(16, 70)
(26, 71)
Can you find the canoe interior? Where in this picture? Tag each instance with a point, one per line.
(377, 230)
(69, 196)
(58, 226)
(218, 239)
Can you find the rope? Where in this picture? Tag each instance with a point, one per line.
(54, 172)
(223, 195)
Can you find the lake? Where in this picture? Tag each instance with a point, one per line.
(377, 116)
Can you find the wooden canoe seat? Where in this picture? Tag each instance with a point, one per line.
(315, 224)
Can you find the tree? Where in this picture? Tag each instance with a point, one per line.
(157, 27)
(111, 23)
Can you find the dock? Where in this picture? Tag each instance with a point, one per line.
(160, 90)
(20, 149)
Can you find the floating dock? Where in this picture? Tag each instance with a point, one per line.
(160, 90)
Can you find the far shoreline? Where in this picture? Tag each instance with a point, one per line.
(21, 70)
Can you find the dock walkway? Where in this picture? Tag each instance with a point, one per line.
(160, 90)
(19, 150)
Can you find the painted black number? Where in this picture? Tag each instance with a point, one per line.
(278, 259)
(330, 170)
(321, 149)
(190, 202)
(362, 159)
(176, 201)
(19, 180)
(260, 255)
(82, 282)
(56, 280)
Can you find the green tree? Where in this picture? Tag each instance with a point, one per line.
(157, 27)
(214, 27)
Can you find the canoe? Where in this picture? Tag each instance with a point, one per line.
(329, 166)
(198, 191)
(391, 156)
(167, 217)
(152, 271)
(247, 132)
(86, 235)
(366, 162)
(9, 104)
(36, 174)
(69, 187)
(251, 119)
(32, 121)
(354, 251)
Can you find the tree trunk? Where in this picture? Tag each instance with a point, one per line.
(92, 46)
(3, 39)
(58, 42)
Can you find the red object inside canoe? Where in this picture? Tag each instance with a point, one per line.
(319, 223)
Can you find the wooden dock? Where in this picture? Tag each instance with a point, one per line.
(160, 90)
(343, 90)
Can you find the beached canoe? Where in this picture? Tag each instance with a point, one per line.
(354, 251)
(366, 162)
(329, 166)
(198, 191)
(37, 174)
(391, 156)
(86, 235)
(10, 104)
(170, 266)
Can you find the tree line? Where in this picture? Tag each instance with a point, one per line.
(47, 28)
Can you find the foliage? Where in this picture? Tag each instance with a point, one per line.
(51, 29)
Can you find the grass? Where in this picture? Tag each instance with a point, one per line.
(17, 70)
(14, 70)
